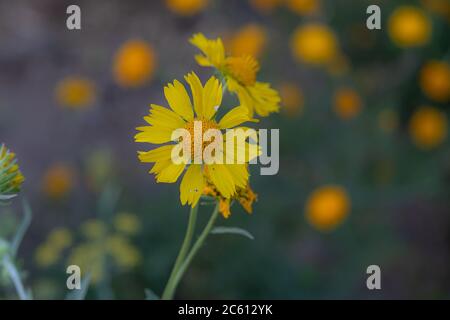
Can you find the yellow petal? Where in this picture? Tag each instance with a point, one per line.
(160, 116)
(234, 117)
(213, 50)
(259, 98)
(243, 151)
(170, 173)
(156, 135)
(192, 185)
(197, 92)
(243, 95)
(222, 179)
(265, 99)
(239, 173)
(179, 100)
(212, 97)
(161, 153)
(160, 165)
(202, 60)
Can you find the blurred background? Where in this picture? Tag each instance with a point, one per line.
(364, 151)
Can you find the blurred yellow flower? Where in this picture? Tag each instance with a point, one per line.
(100, 247)
(75, 92)
(428, 127)
(346, 103)
(162, 122)
(127, 223)
(265, 6)
(435, 80)
(60, 238)
(46, 255)
(186, 7)
(249, 40)
(314, 44)
(240, 74)
(304, 7)
(122, 251)
(90, 258)
(94, 229)
(291, 98)
(58, 180)
(49, 252)
(245, 196)
(327, 207)
(134, 63)
(10, 175)
(387, 120)
(409, 26)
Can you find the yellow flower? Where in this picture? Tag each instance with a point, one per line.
(408, 26)
(240, 74)
(94, 229)
(127, 223)
(46, 255)
(347, 103)
(327, 207)
(58, 180)
(163, 122)
(291, 98)
(265, 6)
(314, 44)
(304, 7)
(186, 7)
(11, 178)
(428, 127)
(245, 196)
(75, 92)
(122, 251)
(134, 63)
(435, 80)
(387, 120)
(250, 40)
(60, 238)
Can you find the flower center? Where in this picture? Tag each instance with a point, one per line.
(243, 69)
(196, 129)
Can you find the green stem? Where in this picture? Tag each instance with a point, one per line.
(170, 290)
(184, 247)
(15, 277)
(17, 240)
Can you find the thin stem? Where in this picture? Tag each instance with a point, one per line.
(184, 247)
(17, 240)
(169, 292)
(15, 277)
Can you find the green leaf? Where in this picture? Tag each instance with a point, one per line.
(233, 230)
(150, 295)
